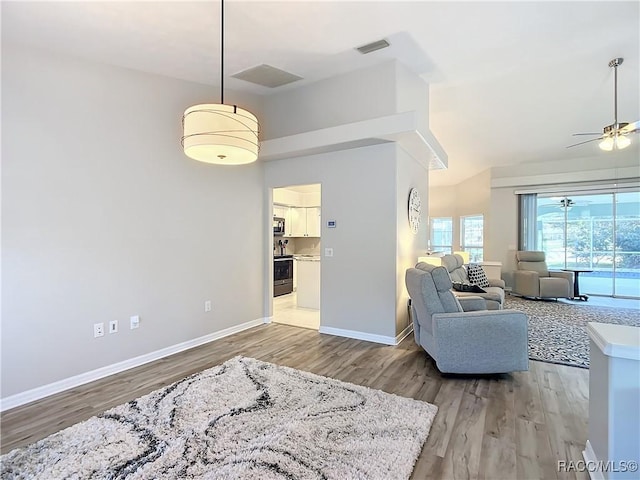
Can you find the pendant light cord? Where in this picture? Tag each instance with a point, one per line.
(222, 52)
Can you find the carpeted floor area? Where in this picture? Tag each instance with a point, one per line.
(244, 419)
(557, 331)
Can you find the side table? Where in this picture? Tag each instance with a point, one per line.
(576, 287)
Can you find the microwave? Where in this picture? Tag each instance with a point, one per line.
(278, 226)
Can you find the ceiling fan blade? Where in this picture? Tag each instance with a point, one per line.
(632, 127)
(576, 134)
(588, 141)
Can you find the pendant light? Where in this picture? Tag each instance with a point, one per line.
(218, 133)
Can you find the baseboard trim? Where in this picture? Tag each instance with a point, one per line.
(77, 380)
(404, 334)
(356, 335)
(590, 458)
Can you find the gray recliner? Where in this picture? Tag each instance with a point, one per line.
(459, 333)
(534, 279)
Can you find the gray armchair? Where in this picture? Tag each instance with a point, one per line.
(534, 279)
(459, 333)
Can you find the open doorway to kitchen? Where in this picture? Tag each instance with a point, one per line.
(297, 230)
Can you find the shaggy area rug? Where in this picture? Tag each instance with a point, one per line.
(558, 331)
(244, 419)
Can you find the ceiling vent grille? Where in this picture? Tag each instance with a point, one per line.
(373, 46)
(267, 76)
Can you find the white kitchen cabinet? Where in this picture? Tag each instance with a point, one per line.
(287, 222)
(298, 220)
(305, 222)
(280, 211)
(308, 292)
(313, 222)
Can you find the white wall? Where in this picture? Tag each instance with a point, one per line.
(359, 95)
(412, 93)
(470, 197)
(409, 174)
(365, 190)
(104, 217)
(503, 231)
(358, 284)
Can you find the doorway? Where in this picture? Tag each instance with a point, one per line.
(297, 221)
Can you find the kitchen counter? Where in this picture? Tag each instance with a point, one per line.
(307, 258)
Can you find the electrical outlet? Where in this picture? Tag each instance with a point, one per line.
(328, 252)
(113, 326)
(98, 330)
(135, 321)
(207, 306)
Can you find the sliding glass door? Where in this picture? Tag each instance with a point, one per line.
(596, 232)
(627, 228)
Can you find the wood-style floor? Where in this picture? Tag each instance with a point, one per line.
(514, 426)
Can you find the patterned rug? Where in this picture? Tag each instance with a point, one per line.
(244, 419)
(558, 331)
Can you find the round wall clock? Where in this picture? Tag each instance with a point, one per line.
(414, 210)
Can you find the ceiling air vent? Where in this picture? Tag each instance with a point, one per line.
(373, 46)
(267, 76)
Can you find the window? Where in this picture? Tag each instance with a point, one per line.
(471, 235)
(441, 234)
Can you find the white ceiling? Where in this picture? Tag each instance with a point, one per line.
(510, 81)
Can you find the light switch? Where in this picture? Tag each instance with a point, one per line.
(328, 252)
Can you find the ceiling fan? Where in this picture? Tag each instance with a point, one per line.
(616, 135)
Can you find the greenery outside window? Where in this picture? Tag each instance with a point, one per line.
(441, 234)
(471, 236)
(597, 232)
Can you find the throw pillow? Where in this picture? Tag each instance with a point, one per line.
(477, 276)
(465, 287)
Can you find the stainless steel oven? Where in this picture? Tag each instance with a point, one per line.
(282, 275)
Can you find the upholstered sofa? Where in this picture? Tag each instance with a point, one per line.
(494, 295)
(459, 333)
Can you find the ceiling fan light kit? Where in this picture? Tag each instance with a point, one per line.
(217, 133)
(614, 142)
(616, 135)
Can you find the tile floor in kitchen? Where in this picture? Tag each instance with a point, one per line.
(286, 311)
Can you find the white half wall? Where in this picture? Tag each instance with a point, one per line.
(104, 217)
